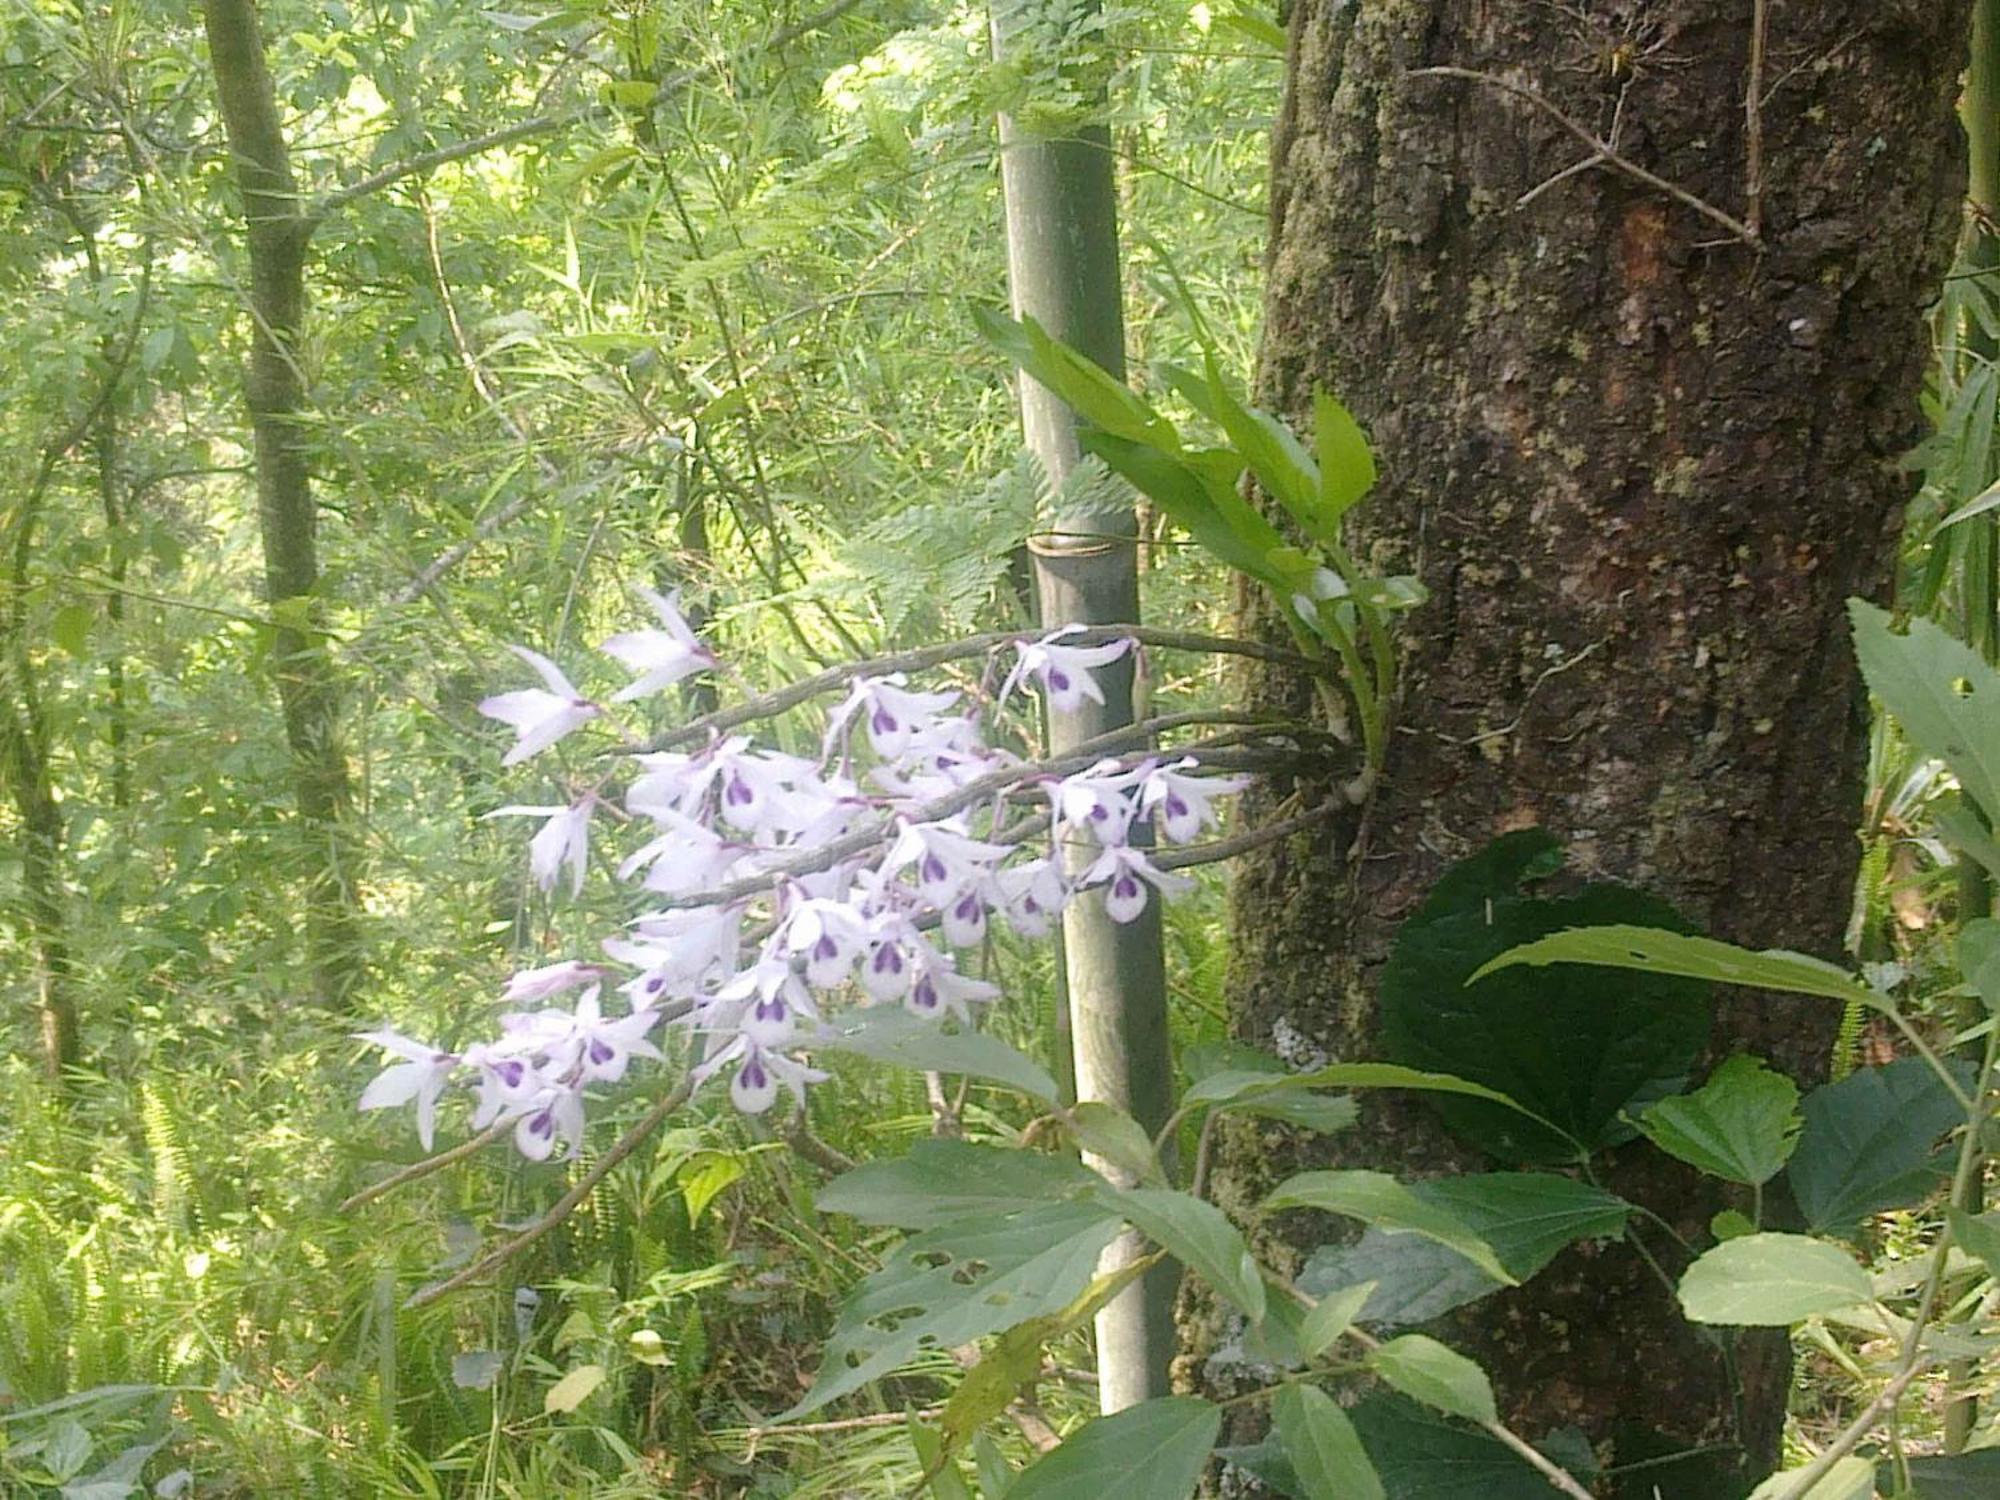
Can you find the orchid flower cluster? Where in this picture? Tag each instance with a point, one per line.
(782, 883)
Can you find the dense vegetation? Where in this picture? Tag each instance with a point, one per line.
(702, 300)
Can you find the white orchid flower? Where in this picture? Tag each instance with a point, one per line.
(1095, 801)
(891, 712)
(1125, 872)
(539, 718)
(660, 657)
(563, 840)
(555, 1114)
(1032, 895)
(1185, 804)
(940, 989)
(1063, 671)
(421, 1077)
(551, 979)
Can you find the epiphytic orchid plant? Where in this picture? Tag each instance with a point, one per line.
(779, 888)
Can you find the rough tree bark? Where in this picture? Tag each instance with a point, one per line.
(277, 229)
(1640, 461)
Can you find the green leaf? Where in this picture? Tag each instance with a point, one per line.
(1108, 1133)
(1377, 1198)
(1412, 1279)
(1770, 1280)
(1977, 1236)
(1247, 1088)
(1346, 463)
(1942, 692)
(1850, 1479)
(1979, 959)
(1966, 832)
(1278, 459)
(946, 1482)
(1197, 492)
(573, 1389)
(1574, 1048)
(1742, 1125)
(1325, 1114)
(1427, 1371)
(70, 628)
(1325, 1450)
(1869, 1144)
(1422, 1456)
(1257, 28)
(1094, 393)
(1962, 1476)
(892, 1035)
(1156, 1450)
(1331, 1317)
(960, 1282)
(1200, 1237)
(942, 1181)
(1652, 951)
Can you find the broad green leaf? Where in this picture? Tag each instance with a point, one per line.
(1325, 1450)
(960, 1282)
(940, 1181)
(1156, 1450)
(1527, 1217)
(1331, 1317)
(1573, 1048)
(1427, 1371)
(1346, 463)
(1966, 832)
(1200, 1237)
(1326, 1114)
(1869, 1144)
(1742, 1125)
(1977, 1236)
(570, 1392)
(891, 1034)
(1850, 1479)
(1941, 691)
(1423, 1456)
(1412, 1279)
(1197, 492)
(1095, 394)
(1770, 1280)
(1962, 1476)
(69, 628)
(1378, 1199)
(946, 1482)
(1278, 459)
(1248, 1089)
(1108, 1133)
(1654, 951)
(1979, 959)
(1257, 28)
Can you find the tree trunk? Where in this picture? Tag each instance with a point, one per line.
(1640, 462)
(277, 231)
(1062, 260)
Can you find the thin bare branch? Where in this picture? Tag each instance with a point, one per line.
(421, 1169)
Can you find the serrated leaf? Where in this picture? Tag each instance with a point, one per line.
(573, 1389)
(1114, 1137)
(1156, 1450)
(1574, 1047)
(1742, 1125)
(1199, 1236)
(940, 1181)
(1771, 1280)
(1423, 1456)
(960, 1282)
(1330, 1318)
(1869, 1142)
(1325, 1450)
(1427, 1371)
(893, 1035)
(1378, 1199)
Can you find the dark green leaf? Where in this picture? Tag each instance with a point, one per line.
(1963, 1476)
(1942, 692)
(1156, 1450)
(1979, 959)
(1574, 1046)
(1979, 1236)
(1423, 1456)
(1869, 1144)
(1378, 1199)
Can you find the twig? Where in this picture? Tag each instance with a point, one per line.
(822, 1155)
(1216, 850)
(923, 658)
(1853, 1433)
(424, 1168)
(1601, 150)
(564, 1206)
(1753, 122)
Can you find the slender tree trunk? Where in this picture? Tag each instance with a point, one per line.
(1062, 257)
(1640, 462)
(277, 232)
